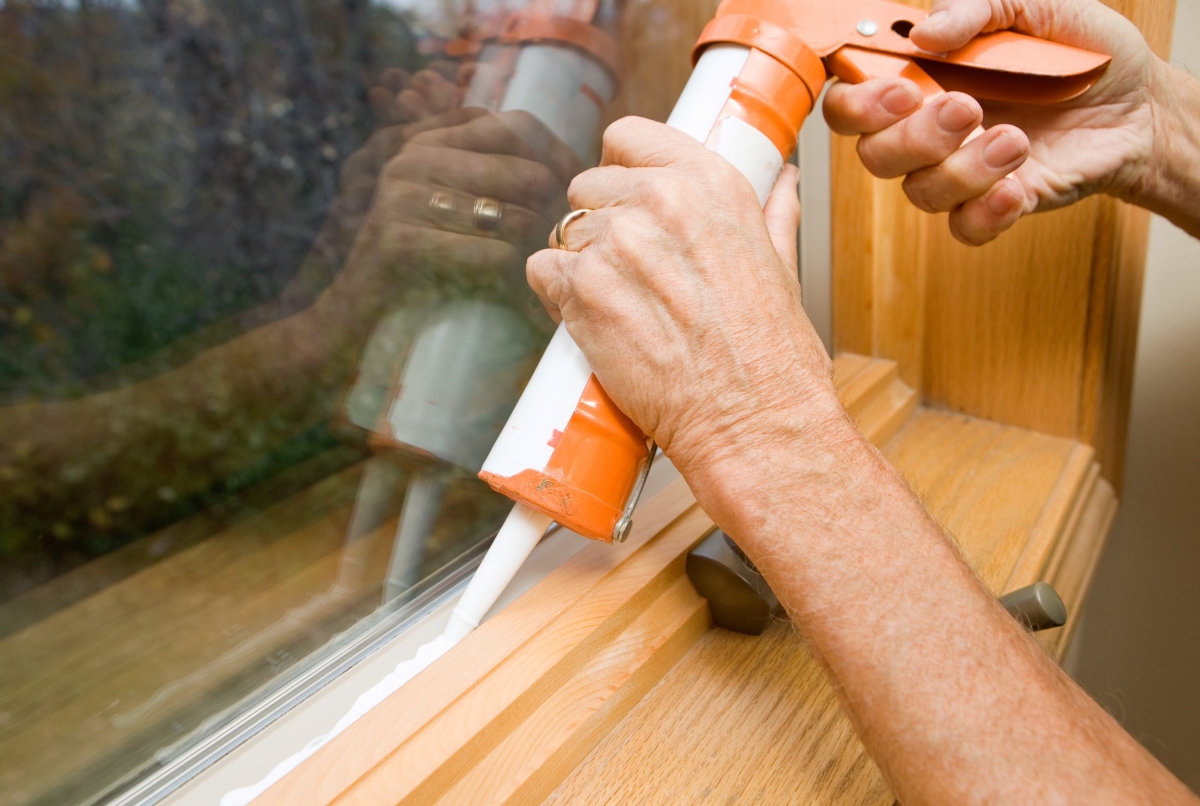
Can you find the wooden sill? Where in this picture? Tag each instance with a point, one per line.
(605, 683)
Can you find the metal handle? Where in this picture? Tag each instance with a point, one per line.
(1037, 606)
(625, 522)
(740, 599)
(737, 595)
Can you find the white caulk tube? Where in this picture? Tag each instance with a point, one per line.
(545, 456)
(528, 455)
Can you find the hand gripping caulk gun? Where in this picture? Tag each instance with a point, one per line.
(567, 453)
(467, 359)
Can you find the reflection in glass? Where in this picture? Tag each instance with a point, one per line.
(262, 314)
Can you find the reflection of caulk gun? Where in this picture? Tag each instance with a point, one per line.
(470, 358)
(567, 453)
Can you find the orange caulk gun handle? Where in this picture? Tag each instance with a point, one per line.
(856, 40)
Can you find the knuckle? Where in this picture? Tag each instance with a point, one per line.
(967, 230)
(428, 137)
(537, 178)
(673, 201)
(520, 120)
(916, 190)
(868, 149)
(619, 130)
(918, 143)
(580, 186)
(623, 243)
(397, 168)
(537, 271)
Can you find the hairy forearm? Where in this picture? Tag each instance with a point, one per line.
(956, 703)
(1170, 184)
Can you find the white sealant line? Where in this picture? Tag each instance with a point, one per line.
(513, 544)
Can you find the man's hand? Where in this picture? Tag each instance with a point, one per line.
(686, 303)
(689, 314)
(1031, 158)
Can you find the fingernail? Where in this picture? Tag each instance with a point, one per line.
(1002, 151)
(1003, 200)
(954, 116)
(936, 18)
(900, 99)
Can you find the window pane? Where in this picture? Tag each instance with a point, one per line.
(262, 313)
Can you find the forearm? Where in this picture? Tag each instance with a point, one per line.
(120, 460)
(1170, 184)
(955, 702)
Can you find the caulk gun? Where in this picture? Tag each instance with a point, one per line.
(567, 453)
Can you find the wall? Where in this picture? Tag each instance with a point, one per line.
(1139, 650)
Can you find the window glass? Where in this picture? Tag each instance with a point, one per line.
(262, 313)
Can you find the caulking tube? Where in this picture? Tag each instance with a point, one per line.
(567, 451)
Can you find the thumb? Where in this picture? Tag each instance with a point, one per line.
(782, 214)
(952, 23)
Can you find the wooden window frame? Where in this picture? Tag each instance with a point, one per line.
(526, 704)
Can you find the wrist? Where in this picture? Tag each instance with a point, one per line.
(801, 454)
(1169, 181)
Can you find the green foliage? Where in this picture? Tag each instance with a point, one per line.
(165, 165)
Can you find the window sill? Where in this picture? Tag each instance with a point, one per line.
(604, 682)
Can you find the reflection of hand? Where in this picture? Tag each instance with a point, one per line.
(400, 98)
(685, 302)
(405, 106)
(423, 219)
(1100, 142)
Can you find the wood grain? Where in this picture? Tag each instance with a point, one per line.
(602, 683)
(416, 745)
(742, 719)
(753, 720)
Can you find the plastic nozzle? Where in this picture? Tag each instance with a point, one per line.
(514, 542)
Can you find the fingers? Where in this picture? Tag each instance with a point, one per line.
(782, 213)
(382, 98)
(606, 186)
(451, 211)
(548, 273)
(499, 176)
(394, 79)
(439, 92)
(584, 230)
(870, 106)
(983, 218)
(951, 23)
(640, 143)
(518, 134)
(447, 120)
(383, 105)
(923, 139)
(968, 172)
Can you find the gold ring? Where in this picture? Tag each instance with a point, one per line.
(560, 229)
(488, 213)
